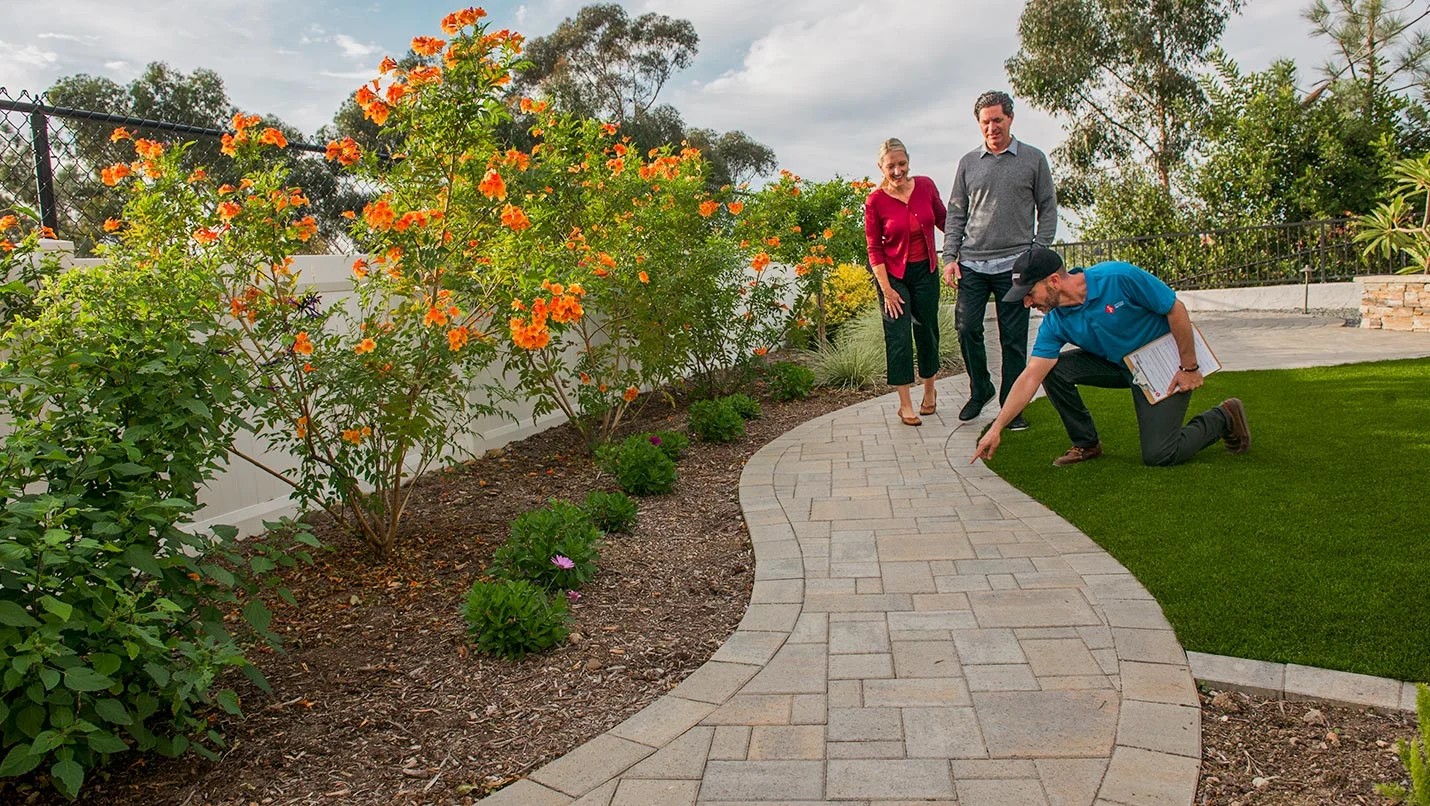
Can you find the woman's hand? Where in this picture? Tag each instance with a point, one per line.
(893, 303)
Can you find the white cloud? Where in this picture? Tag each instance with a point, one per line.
(29, 55)
(116, 66)
(83, 40)
(354, 49)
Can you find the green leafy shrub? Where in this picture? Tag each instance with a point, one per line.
(716, 421)
(1415, 755)
(673, 443)
(555, 546)
(744, 405)
(510, 617)
(611, 512)
(642, 467)
(789, 381)
(115, 622)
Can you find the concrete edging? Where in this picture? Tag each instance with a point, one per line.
(1290, 681)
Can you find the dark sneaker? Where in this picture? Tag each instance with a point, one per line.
(1018, 424)
(1238, 432)
(1076, 454)
(973, 407)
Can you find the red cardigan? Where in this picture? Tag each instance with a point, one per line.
(886, 224)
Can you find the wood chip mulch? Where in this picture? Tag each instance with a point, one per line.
(1265, 752)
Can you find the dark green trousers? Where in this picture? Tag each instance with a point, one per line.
(919, 290)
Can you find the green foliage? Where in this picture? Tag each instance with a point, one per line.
(848, 291)
(114, 620)
(673, 443)
(1379, 50)
(23, 268)
(744, 405)
(716, 421)
(642, 467)
(611, 512)
(789, 381)
(1401, 225)
(1415, 755)
(544, 540)
(510, 617)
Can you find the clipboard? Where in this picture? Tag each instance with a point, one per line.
(1154, 363)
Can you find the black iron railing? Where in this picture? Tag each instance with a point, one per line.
(51, 158)
(1272, 254)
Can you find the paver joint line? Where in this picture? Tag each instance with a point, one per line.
(921, 631)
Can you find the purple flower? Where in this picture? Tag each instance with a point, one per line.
(572, 596)
(563, 563)
(655, 440)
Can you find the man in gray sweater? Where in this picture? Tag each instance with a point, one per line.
(1002, 203)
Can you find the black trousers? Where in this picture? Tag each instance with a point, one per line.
(1165, 440)
(973, 291)
(919, 290)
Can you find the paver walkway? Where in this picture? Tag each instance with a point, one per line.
(921, 631)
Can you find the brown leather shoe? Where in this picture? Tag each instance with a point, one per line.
(1238, 431)
(1076, 454)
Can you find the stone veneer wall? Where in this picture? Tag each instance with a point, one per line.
(1395, 302)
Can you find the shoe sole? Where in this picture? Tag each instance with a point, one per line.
(1240, 428)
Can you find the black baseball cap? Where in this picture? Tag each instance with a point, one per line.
(1030, 267)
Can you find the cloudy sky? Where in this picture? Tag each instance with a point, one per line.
(822, 82)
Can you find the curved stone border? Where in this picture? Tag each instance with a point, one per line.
(1290, 681)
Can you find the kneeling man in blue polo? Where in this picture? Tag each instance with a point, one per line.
(1106, 312)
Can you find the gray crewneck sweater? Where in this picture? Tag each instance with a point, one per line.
(1000, 204)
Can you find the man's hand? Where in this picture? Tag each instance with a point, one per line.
(988, 445)
(952, 273)
(1185, 381)
(893, 303)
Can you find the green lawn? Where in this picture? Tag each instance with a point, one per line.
(1313, 548)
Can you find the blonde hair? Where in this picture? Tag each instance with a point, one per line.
(891, 144)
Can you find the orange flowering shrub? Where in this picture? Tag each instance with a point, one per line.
(636, 278)
(810, 227)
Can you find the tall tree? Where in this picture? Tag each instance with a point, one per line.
(1122, 74)
(601, 63)
(1381, 49)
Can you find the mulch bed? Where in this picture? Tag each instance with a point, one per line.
(378, 697)
(1260, 752)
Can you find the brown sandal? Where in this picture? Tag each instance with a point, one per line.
(928, 408)
(910, 419)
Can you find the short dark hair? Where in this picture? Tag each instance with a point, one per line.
(993, 98)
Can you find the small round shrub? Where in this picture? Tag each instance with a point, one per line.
(611, 512)
(555, 546)
(511, 617)
(790, 381)
(716, 421)
(643, 468)
(744, 405)
(673, 443)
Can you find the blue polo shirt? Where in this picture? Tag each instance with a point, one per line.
(1126, 307)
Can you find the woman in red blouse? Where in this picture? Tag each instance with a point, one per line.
(899, 218)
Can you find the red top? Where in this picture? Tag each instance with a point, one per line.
(889, 224)
(918, 247)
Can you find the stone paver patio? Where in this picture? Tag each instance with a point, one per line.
(920, 631)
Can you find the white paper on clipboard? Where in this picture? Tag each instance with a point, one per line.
(1155, 363)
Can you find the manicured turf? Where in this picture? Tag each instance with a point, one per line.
(1313, 548)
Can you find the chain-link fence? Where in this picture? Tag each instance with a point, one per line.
(51, 158)
(1273, 254)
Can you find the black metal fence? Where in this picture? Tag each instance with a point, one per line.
(1272, 254)
(51, 158)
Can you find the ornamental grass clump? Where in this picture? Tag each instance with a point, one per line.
(789, 381)
(509, 618)
(555, 546)
(744, 405)
(611, 512)
(716, 421)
